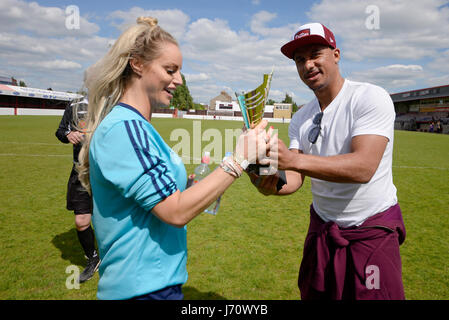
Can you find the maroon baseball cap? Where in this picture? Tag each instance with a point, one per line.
(306, 34)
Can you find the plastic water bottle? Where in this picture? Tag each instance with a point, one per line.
(213, 208)
(200, 173)
(203, 169)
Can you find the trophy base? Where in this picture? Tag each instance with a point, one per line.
(266, 170)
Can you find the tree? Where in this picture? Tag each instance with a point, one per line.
(82, 92)
(198, 106)
(182, 99)
(22, 83)
(289, 99)
(270, 102)
(294, 107)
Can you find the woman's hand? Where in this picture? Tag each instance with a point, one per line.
(252, 144)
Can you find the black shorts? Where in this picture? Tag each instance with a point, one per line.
(78, 200)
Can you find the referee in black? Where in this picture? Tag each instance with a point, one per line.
(78, 200)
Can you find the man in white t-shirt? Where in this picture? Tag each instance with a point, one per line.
(342, 140)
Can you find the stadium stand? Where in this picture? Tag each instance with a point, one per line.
(417, 109)
(32, 101)
(8, 80)
(17, 98)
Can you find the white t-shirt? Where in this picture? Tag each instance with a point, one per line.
(358, 109)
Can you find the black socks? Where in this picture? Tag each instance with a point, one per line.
(87, 240)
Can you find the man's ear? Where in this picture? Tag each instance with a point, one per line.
(336, 55)
(136, 66)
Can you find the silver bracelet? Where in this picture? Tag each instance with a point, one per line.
(242, 162)
(229, 166)
(230, 162)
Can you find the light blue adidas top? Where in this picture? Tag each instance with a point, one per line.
(131, 170)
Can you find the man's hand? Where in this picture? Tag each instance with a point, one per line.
(279, 156)
(75, 137)
(265, 184)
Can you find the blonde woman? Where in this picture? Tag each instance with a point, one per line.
(141, 207)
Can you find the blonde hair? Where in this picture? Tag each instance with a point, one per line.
(107, 79)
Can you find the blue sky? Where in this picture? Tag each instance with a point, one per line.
(228, 45)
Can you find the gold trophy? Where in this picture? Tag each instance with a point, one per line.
(252, 105)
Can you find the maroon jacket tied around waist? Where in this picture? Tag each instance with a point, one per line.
(353, 263)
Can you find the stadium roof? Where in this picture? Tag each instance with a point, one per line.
(10, 90)
(5, 79)
(427, 93)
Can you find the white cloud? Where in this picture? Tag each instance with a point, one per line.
(408, 29)
(208, 37)
(441, 62)
(17, 47)
(439, 80)
(391, 76)
(56, 65)
(258, 26)
(173, 21)
(17, 15)
(239, 58)
(440, 69)
(36, 46)
(196, 77)
(204, 92)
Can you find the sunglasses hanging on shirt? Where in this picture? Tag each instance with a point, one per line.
(315, 131)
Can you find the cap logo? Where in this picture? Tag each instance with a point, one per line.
(302, 33)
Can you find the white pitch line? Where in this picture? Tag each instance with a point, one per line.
(37, 143)
(412, 167)
(34, 155)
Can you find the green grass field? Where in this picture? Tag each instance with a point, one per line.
(251, 250)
